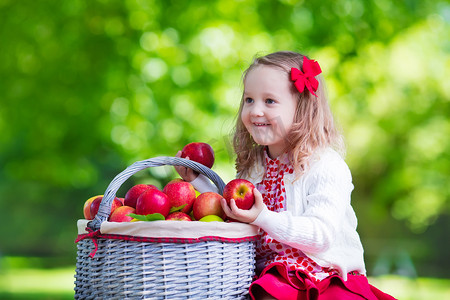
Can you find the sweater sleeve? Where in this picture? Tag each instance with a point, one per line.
(328, 187)
(202, 184)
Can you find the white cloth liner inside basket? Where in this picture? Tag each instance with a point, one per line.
(175, 229)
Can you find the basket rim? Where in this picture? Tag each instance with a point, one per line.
(177, 230)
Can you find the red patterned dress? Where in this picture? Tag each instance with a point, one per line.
(269, 250)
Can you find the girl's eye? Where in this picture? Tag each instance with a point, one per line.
(248, 100)
(270, 101)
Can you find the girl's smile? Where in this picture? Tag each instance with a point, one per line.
(269, 107)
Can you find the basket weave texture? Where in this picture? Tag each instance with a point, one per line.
(129, 268)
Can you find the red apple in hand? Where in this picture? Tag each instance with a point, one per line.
(120, 214)
(200, 152)
(96, 204)
(241, 191)
(180, 193)
(178, 216)
(153, 201)
(134, 192)
(208, 204)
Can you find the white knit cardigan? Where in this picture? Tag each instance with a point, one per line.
(319, 219)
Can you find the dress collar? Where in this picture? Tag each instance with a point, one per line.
(283, 159)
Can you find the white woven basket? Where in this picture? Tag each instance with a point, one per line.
(163, 259)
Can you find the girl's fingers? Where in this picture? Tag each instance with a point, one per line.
(186, 173)
(258, 197)
(230, 210)
(225, 207)
(233, 206)
(257, 194)
(246, 216)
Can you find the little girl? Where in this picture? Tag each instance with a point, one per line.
(287, 145)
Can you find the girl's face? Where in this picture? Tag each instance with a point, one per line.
(269, 107)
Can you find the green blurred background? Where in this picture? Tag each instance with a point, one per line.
(89, 87)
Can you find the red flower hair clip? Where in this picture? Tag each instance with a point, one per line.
(306, 78)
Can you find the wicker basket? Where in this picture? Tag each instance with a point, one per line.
(156, 260)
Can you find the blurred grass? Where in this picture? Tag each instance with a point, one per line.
(29, 283)
(413, 288)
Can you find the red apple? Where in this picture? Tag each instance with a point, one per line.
(153, 201)
(120, 214)
(96, 204)
(208, 204)
(180, 193)
(200, 152)
(241, 191)
(178, 216)
(87, 207)
(134, 192)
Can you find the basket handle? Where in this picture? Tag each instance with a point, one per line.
(116, 183)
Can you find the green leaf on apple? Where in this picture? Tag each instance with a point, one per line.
(178, 208)
(155, 217)
(138, 217)
(148, 218)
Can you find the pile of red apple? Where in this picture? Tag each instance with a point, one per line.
(178, 200)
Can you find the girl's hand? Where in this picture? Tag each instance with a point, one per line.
(242, 215)
(186, 173)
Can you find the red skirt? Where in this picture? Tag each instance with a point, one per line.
(275, 280)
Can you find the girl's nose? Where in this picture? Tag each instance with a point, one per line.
(257, 111)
